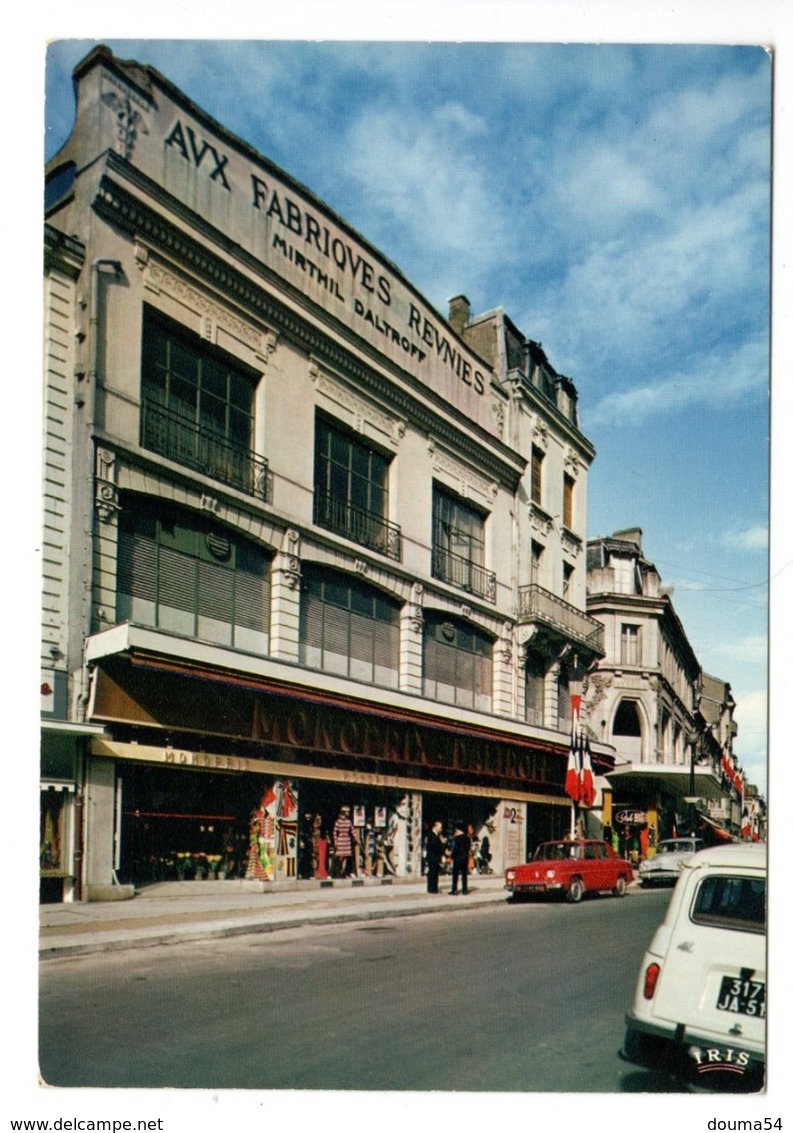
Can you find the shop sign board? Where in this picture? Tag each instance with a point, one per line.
(280, 225)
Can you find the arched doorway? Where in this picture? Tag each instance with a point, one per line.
(626, 730)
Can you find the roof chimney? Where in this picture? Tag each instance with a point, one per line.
(630, 535)
(459, 313)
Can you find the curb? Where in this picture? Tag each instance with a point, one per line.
(109, 941)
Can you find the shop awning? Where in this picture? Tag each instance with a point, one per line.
(719, 831)
(674, 781)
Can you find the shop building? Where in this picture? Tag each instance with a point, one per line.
(309, 544)
(672, 725)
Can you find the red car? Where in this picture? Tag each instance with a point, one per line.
(571, 868)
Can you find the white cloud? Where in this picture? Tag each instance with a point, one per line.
(431, 189)
(748, 539)
(714, 381)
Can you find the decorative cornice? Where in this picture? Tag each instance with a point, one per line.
(65, 254)
(571, 542)
(214, 315)
(467, 478)
(362, 410)
(540, 520)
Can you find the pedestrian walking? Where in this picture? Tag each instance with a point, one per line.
(344, 863)
(433, 849)
(461, 851)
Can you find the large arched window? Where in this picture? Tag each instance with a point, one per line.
(180, 572)
(458, 663)
(350, 628)
(627, 729)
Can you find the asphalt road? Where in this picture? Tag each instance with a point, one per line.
(527, 997)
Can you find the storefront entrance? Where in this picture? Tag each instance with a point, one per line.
(180, 825)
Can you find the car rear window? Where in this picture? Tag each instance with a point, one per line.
(732, 902)
(675, 848)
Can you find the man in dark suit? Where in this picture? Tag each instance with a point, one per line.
(433, 849)
(461, 852)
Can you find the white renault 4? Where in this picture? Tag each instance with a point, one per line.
(699, 1006)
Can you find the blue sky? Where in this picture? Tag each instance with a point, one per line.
(615, 200)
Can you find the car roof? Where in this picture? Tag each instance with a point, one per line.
(571, 841)
(748, 855)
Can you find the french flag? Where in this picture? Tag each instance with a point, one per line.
(572, 781)
(587, 792)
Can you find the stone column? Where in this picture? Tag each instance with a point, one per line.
(411, 642)
(285, 599)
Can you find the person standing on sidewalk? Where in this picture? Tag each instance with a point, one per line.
(344, 862)
(433, 849)
(461, 851)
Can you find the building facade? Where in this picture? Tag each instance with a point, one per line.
(672, 725)
(309, 544)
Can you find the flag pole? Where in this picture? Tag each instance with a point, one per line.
(576, 686)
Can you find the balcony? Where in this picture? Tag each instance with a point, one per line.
(360, 526)
(538, 605)
(465, 575)
(183, 441)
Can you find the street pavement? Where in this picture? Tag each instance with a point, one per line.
(176, 911)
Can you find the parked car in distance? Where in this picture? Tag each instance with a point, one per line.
(699, 1004)
(664, 867)
(570, 868)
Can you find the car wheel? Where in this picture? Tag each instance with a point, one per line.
(621, 888)
(576, 891)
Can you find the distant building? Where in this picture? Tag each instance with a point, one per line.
(671, 724)
(308, 544)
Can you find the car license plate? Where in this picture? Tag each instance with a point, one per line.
(742, 997)
(530, 888)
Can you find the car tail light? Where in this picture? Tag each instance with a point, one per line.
(651, 979)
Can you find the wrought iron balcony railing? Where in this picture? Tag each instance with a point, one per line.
(180, 439)
(461, 572)
(538, 605)
(355, 523)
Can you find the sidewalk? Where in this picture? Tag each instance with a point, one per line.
(179, 911)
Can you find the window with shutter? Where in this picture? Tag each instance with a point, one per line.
(458, 664)
(349, 628)
(535, 688)
(179, 572)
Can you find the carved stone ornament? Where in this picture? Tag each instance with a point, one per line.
(212, 314)
(506, 643)
(106, 489)
(290, 555)
(539, 520)
(597, 684)
(210, 504)
(416, 607)
(540, 435)
(497, 409)
(129, 121)
(572, 463)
